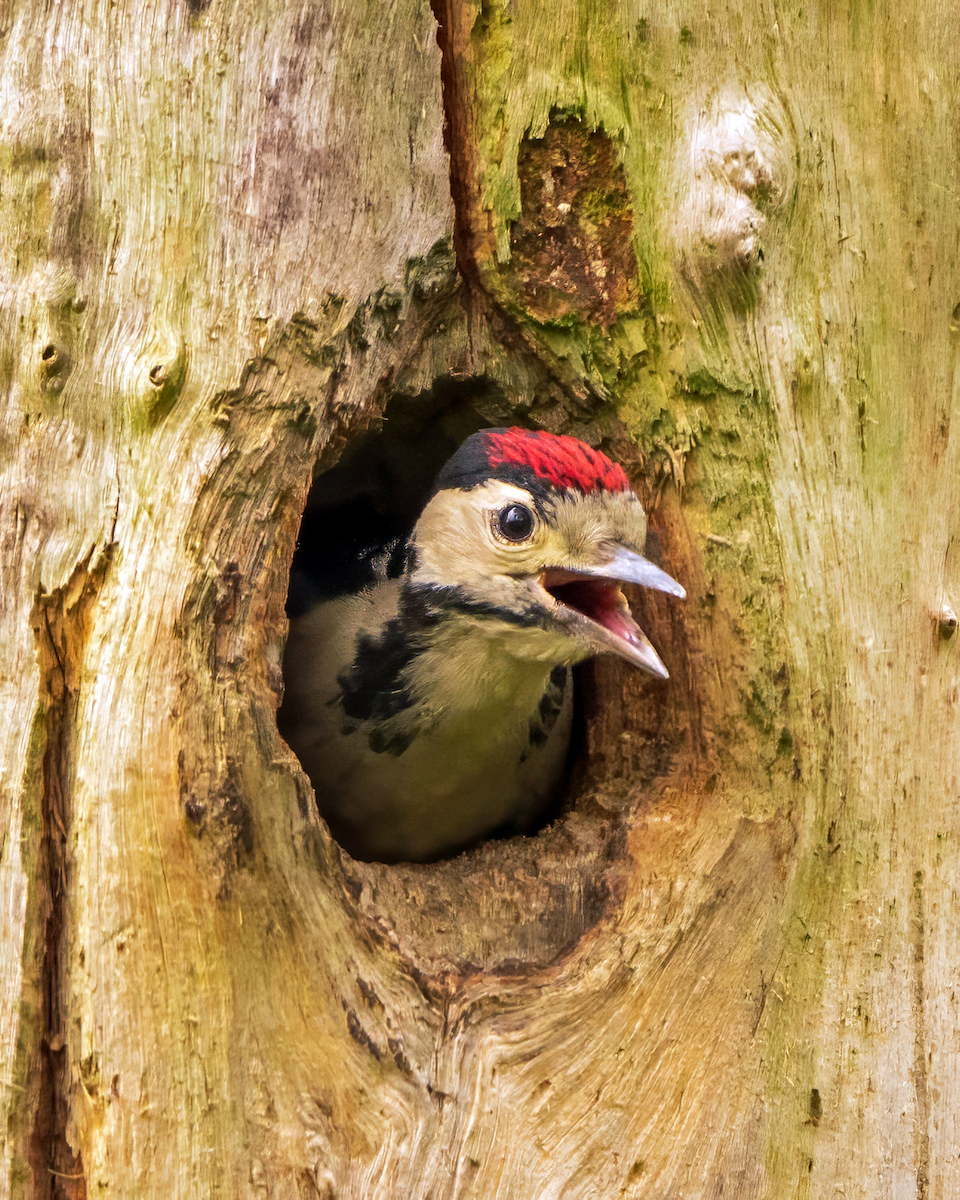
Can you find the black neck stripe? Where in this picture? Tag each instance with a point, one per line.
(439, 599)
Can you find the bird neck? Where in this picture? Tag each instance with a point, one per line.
(439, 656)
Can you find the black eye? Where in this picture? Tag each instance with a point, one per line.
(515, 522)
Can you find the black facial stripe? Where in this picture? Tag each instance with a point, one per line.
(446, 598)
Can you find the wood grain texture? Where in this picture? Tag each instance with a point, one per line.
(226, 241)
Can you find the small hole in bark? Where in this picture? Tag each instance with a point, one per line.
(158, 375)
(194, 810)
(54, 367)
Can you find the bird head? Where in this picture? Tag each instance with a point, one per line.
(531, 534)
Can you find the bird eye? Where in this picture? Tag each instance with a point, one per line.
(515, 522)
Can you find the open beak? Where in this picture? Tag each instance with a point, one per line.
(591, 603)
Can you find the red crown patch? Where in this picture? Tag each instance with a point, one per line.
(563, 461)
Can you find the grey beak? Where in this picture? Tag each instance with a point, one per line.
(630, 567)
(608, 626)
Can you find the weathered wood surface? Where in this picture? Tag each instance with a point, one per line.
(725, 243)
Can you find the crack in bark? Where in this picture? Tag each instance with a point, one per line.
(60, 627)
(474, 235)
(453, 32)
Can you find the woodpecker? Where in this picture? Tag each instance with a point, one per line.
(432, 709)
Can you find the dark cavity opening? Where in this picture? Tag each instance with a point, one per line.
(361, 509)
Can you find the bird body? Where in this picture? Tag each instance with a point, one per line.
(432, 709)
(433, 756)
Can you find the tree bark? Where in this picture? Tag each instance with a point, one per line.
(721, 243)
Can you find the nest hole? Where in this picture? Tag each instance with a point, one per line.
(508, 900)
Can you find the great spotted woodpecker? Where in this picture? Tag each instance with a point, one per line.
(432, 709)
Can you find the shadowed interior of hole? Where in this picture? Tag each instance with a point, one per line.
(370, 500)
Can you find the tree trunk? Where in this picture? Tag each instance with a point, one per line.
(720, 242)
